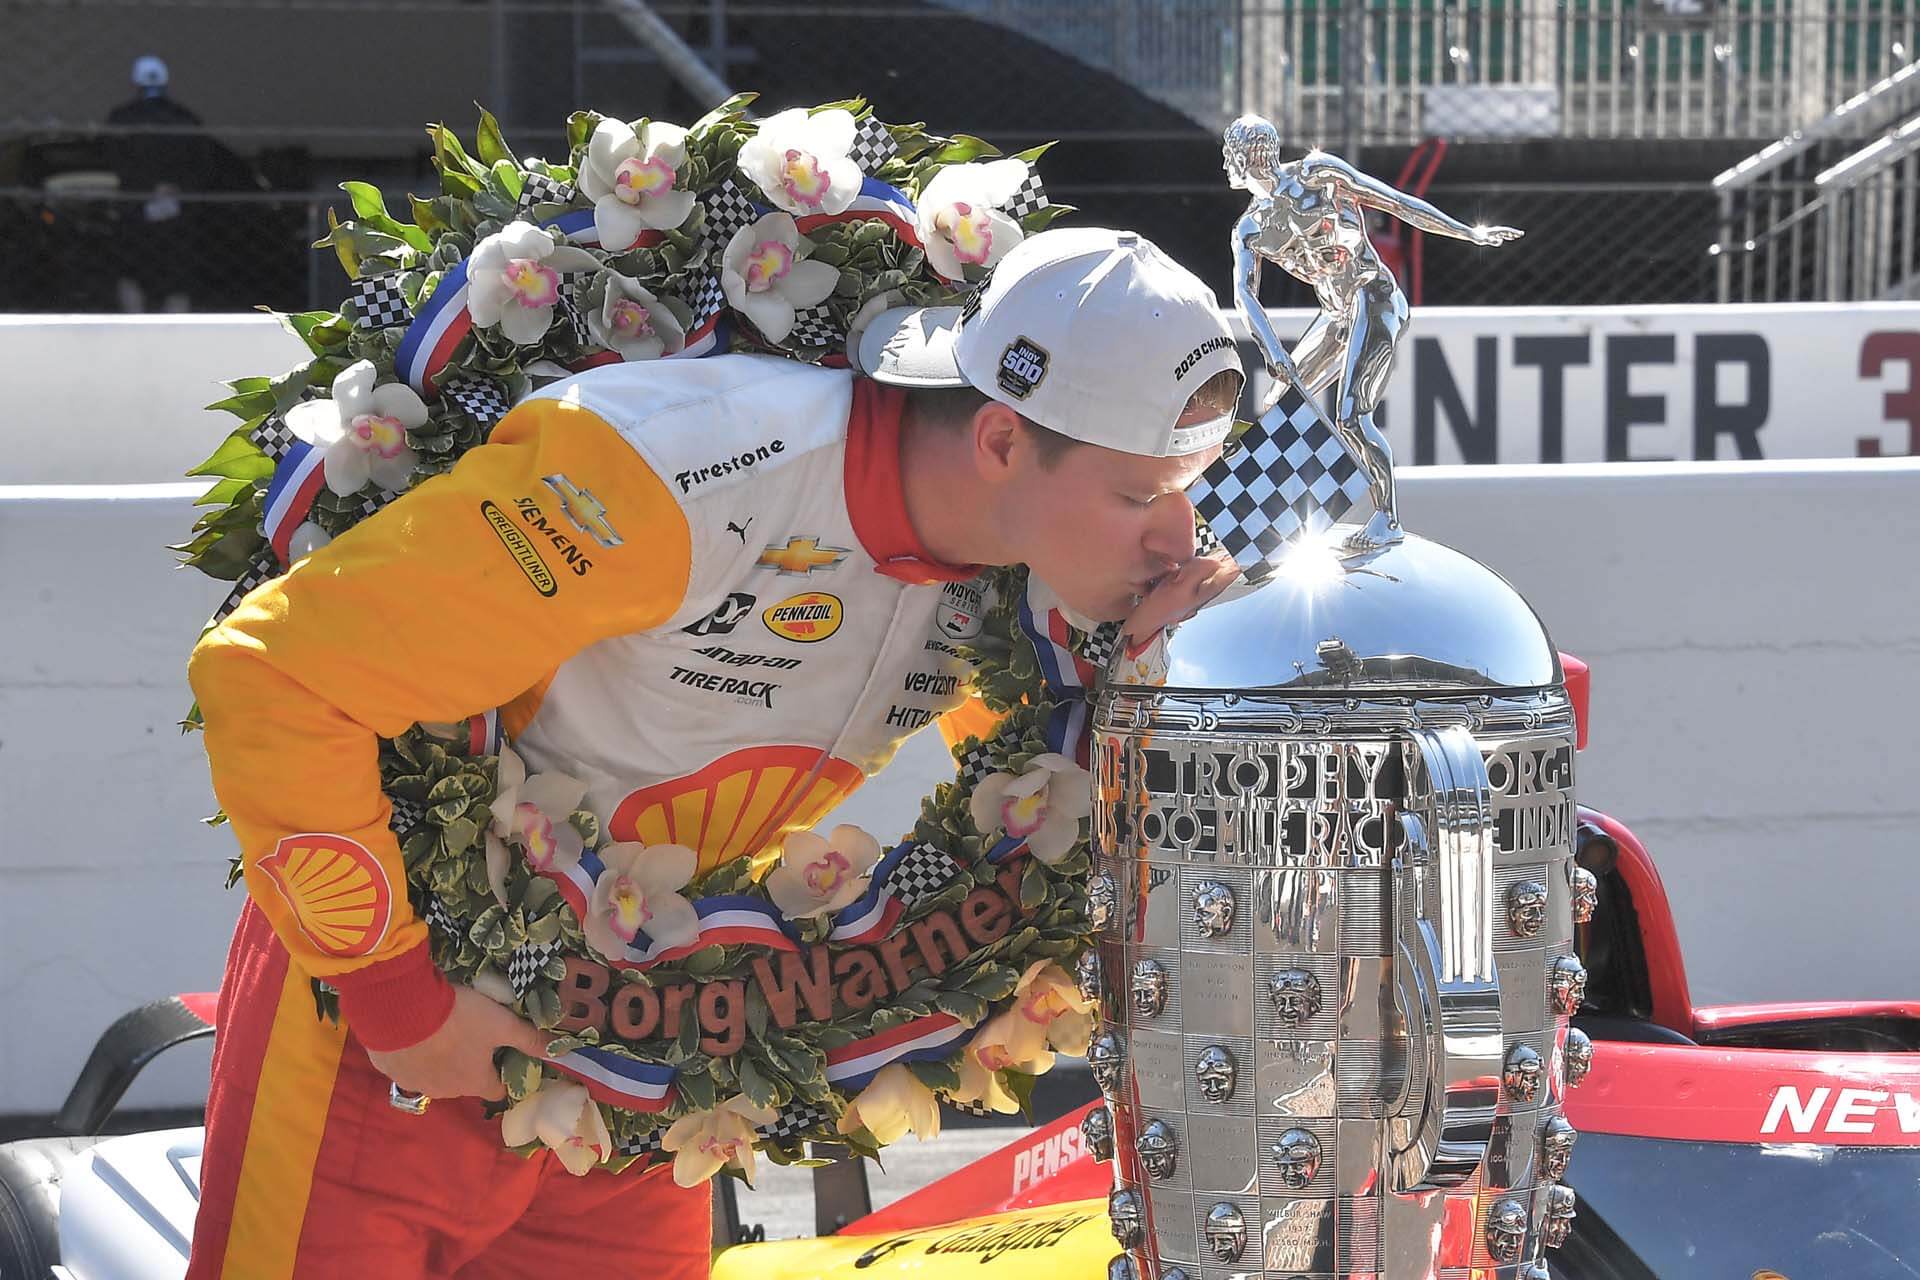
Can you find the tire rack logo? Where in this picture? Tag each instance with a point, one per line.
(584, 511)
(336, 889)
(1022, 365)
(521, 548)
(807, 618)
(801, 556)
(740, 690)
(725, 617)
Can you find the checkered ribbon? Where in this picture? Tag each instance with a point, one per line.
(705, 298)
(969, 1108)
(922, 872)
(1289, 476)
(729, 208)
(794, 1119)
(481, 398)
(816, 326)
(526, 964)
(406, 815)
(374, 501)
(645, 1145)
(573, 305)
(378, 302)
(1099, 644)
(1028, 197)
(265, 568)
(274, 437)
(973, 764)
(540, 189)
(873, 145)
(438, 917)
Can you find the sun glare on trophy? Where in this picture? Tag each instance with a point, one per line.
(1313, 561)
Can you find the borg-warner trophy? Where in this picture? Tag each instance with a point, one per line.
(1334, 880)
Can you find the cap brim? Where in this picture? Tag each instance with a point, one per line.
(911, 347)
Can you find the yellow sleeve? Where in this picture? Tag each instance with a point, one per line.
(970, 719)
(460, 595)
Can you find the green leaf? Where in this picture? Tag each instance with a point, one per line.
(490, 144)
(520, 1073)
(1020, 1085)
(1033, 885)
(732, 109)
(707, 961)
(370, 208)
(939, 1076)
(965, 147)
(543, 1007)
(698, 1089)
(237, 458)
(969, 1009)
(688, 1040)
(754, 1083)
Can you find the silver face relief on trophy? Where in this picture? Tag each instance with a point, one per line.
(1297, 1158)
(1096, 1130)
(1584, 889)
(1556, 1148)
(1213, 907)
(1577, 1057)
(1157, 1148)
(1101, 897)
(1226, 1232)
(1122, 1268)
(1521, 1076)
(1126, 1217)
(1295, 995)
(1506, 1230)
(1148, 987)
(1567, 981)
(1086, 975)
(1526, 907)
(1217, 1073)
(1558, 1223)
(1105, 1057)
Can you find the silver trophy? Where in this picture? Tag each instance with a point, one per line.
(1334, 842)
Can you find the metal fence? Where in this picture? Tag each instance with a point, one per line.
(306, 93)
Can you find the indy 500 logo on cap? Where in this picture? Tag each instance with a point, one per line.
(1022, 365)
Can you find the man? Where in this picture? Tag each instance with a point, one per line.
(682, 516)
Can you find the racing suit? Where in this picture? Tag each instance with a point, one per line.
(693, 585)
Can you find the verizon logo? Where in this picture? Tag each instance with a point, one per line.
(1825, 1110)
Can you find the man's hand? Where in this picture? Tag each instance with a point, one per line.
(1177, 597)
(457, 1060)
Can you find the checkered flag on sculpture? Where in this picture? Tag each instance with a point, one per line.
(729, 208)
(921, 872)
(378, 302)
(526, 963)
(1288, 475)
(540, 189)
(274, 437)
(815, 326)
(1028, 197)
(480, 398)
(873, 145)
(265, 568)
(794, 1119)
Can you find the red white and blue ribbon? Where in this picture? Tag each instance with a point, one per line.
(617, 1080)
(877, 202)
(435, 333)
(931, 1038)
(724, 918)
(483, 734)
(874, 913)
(296, 480)
(1068, 678)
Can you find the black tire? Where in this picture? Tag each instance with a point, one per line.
(30, 1174)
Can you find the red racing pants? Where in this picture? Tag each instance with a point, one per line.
(310, 1174)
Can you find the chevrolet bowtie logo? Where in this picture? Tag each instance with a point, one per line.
(584, 511)
(801, 556)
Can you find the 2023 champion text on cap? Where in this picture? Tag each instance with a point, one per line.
(1093, 333)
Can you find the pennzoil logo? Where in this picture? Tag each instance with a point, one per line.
(801, 557)
(583, 511)
(806, 618)
(337, 890)
(521, 548)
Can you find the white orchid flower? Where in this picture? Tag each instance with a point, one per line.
(962, 222)
(892, 1104)
(818, 874)
(639, 889)
(800, 161)
(362, 431)
(1048, 1015)
(634, 323)
(767, 276)
(1042, 806)
(980, 1086)
(513, 280)
(565, 1118)
(307, 538)
(708, 1141)
(630, 179)
(531, 812)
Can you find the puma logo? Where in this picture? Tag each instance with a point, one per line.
(740, 529)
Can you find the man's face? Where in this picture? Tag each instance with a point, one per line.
(1100, 526)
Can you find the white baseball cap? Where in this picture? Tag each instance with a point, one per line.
(1093, 333)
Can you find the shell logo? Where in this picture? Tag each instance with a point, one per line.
(740, 803)
(337, 890)
(807, 618)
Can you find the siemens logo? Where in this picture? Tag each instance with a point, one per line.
(727, 466)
